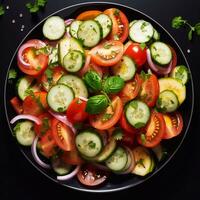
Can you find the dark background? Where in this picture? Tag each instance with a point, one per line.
(179, 179)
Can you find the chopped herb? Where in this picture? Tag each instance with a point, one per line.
(78, 126)
(143, 138)
(49, 74)
(45, 126)
(116, 12)
(118, 134)
(92, 145)
(44, 50)
(116, 37)
(60, 109)
(141, 162)
(12, 74)
(144, 24)
(35, 7)
(16, 128)
(106, 117)
(178, 22)
(134, 105)
(107, 45)
(38, 68)
(143, 46)
(94, 30)
(2, 11)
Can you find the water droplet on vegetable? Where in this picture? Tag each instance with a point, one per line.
(7, 7)
(188, 51)
(13, 21)
(20, 15)
(23, 27)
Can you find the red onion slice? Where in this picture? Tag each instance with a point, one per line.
(68, 21)
(86, 65)
(36, 157)
(83, 98)
(156, 68)
(28, 117)
(70, 175)
(62, 118)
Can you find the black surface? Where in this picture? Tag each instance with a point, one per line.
(179, 179)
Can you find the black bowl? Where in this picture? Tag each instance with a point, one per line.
(116, 182)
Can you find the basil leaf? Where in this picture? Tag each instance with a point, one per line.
(96, 104)
(113, 84)
(93, 81)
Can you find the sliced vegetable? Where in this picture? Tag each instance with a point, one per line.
(175, 86)
(137, 113)
(125, 69)
(17, 105)
(90, 14)
(74, 28)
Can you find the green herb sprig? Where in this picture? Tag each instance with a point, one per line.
(2, 10)
(178, 22)
(36, 6)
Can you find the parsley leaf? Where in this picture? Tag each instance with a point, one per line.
(35, 7)
(12, 74)
(197, 28)
(2, 11)
(178, 22)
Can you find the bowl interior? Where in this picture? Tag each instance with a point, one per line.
(115, 182)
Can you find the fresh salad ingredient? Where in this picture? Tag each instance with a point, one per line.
(93, 101)
(54, 28)
(36, 6)
(180, 73)
(125, 69)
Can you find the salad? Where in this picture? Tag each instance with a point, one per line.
(98, 95)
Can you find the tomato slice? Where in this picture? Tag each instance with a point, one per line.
(63, 135)
(91, 176)
(150, 90)
(107, 53)
(131, 89)
(72, 157)
(35, 103)
(137, 53)
(120, 24)
(76, 111)
(174, 125)
(45, 126)
(47, 145)
(28, 61)
(91, 14)
(154, 131)
(17, 105)
(126, 126)
(51, 76)
(100, 122)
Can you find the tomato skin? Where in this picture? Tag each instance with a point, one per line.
(91, 14)
(107, 56)
(131, 89)
(138, 54)
(72, 157)
(47, 144)
(174, 125)
(36, 104)
(45, 126)
(154, 130)
(126, 126)
(28, 62)
(63, 135)
(150, 90)
(120, 26)
(57, 72)
(97, 122)
(17, 105)
(76, 111)
(91, 176)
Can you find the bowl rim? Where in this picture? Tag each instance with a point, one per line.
(186, 130)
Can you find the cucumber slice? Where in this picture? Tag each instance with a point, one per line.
(54, 28)
(156, 35)
(90, 32)
(73, 61)
(173, 85)
(89, 143)
(74, 28)
(167, 101)
(143, 161)
(59, 97)
(53, 57)
(26, 83)
(137, 113)
(161, 53)
(60, 167)
(132, 22)
(118, 160)
(180, 73)
(141, 31)
(24, 132)
(76, 84)
(107, 151)
(67, 44)
(105, 22)
(126, 69)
